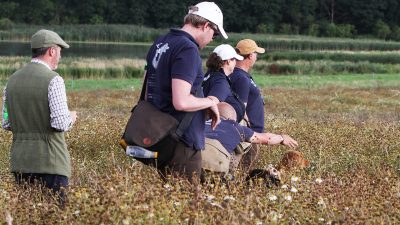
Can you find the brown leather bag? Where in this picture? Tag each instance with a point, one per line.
(154, 130)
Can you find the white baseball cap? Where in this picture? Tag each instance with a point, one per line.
(226, 52)
(211, 12)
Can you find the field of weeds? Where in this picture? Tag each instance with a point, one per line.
(351, 136)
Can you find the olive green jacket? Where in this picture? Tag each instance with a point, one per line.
(36, 147)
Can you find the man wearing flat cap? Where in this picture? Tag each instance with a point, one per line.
(35, 110)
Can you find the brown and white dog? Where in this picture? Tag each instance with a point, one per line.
(291, 160)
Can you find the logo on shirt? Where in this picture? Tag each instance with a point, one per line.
(253, 83)
(160, 50)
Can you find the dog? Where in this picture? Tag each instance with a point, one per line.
(292, 160)
(270, 176)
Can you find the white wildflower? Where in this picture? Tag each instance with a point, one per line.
(275, 216)
(284, 186)
(294, 179)
(176, 204)
(288, 198)
(229, 198)
(272, 198)
(76, 213)
(126, 221)
(168, 187)
(321, 219)
(210, 197)
(321, 202)
(293, 189)
(259, 223)
(318, 180)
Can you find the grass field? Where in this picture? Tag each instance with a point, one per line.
(349, 133)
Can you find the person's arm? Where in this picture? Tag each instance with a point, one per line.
(5, 123)
(273, 139)
(61, 118)
(183, 100)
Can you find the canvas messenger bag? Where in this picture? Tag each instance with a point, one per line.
(154, 130)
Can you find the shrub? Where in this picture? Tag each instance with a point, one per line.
(381, 29)
(395, 35)
(6, 24)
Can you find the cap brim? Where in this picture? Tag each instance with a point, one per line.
(238, 57)
(222, 31)
(64, 45)
(260, 50)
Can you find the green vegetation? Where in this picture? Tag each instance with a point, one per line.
(333, 18)
(135, 33)
(383, 57)
(349, 134)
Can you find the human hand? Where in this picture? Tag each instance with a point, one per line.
(73, 115)
(289, 141)
(213, 113)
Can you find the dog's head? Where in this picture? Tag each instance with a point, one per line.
(293, 160)
(270, 176)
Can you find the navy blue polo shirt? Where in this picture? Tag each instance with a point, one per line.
(229, 133)
(217, 84)
(176, 55)
(246, 88)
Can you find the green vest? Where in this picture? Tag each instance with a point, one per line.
(36, 147)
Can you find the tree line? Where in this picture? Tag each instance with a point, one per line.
(335, 18)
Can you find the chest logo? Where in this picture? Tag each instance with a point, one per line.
(161, 48)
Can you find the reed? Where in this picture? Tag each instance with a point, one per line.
(135, 33)
(383, 57)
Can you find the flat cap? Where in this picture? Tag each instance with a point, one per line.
(47, 38)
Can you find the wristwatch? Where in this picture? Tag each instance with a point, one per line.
(281, 137)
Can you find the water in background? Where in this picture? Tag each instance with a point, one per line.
(85, 50)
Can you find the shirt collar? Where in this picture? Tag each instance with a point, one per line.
(38, 61)
(180, 32)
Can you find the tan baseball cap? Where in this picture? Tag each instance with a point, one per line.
(211, 12)
(247, 46)
(47, 38)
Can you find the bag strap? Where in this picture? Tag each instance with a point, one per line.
(236, 95)
(187, 119)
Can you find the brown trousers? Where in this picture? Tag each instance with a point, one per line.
(250, 158)
(186, 163)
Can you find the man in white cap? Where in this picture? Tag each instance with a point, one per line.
(173, 78)
(35, 110)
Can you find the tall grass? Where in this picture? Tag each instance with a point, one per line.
(337, 56)
(100, 33)
(350, 136)
(76, 67)
(320, 67)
